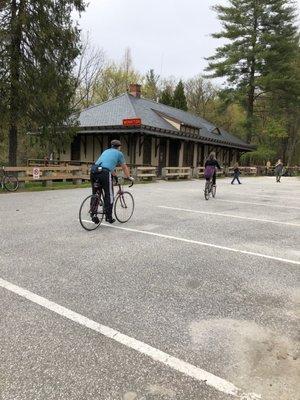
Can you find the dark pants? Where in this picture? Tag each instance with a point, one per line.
(278, 176)
(236, 177)
(104, 180)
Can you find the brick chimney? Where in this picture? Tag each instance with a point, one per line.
(135, 90)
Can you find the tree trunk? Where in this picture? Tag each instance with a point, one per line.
(251, 88)
(250, 109)
(15, 60)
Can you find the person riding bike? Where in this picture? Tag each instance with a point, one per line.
(210, 168)
(102, 172)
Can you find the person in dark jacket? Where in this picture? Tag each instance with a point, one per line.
(209, 163)
(278, 170)
(236, 174)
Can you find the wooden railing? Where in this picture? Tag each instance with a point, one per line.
(144, 173)
(80, 173)
(199, 172)
(176, 172)
(49, 174)
(244, 170)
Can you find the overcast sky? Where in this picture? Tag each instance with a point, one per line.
(170, 36)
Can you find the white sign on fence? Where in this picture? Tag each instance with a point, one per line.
(36, 173)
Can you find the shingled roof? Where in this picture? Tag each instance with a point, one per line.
(110, 115)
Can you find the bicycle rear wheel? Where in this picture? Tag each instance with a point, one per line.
(91, 212)
(214, 190)
(207, 190)
(124, 207)
(10, 183)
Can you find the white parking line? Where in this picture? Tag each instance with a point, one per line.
(175, 363)
(259, 204)
(229, 215)
(251, 253)
(274, 197)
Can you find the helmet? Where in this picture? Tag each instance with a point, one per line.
(115, 143)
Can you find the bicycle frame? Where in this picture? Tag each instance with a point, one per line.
(120, 190)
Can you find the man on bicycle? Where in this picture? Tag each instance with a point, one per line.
(210, 168)
(102, 172)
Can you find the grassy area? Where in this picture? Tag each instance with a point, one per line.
(38, 186)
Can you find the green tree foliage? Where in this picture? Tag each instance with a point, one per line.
(179, 99)
(150, 88)
(166, 96)
(39, 45)
(261, 41)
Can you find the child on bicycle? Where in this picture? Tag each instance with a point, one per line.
(211, 164)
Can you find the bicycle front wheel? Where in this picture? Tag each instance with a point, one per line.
(91, 212)
(10, 183)
(124, 207)
(206, 191)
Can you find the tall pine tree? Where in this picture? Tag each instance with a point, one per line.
(179, 99)
(261, 41)
(38, 48)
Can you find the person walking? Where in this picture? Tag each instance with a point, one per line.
(268, 167)
(278, 170)
(236, 174)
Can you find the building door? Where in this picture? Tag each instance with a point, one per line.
(76, 148)
(162, 155)
(174, 151)
(147, 150)
(188, 154)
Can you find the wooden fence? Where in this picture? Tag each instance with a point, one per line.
(79, 173)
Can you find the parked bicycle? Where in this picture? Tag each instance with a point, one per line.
(93, 206)
(210, 189)
(9, 182)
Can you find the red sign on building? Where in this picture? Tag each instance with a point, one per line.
(132, 122)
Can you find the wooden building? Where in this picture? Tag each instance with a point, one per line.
(151, 134)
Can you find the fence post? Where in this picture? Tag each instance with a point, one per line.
(135, 173)
(49, 181)
(196, 173)
(20, 176)
(77, 177)
(164, 173)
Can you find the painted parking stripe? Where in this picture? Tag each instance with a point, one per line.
(259, 204)
(230, 216)
(157, 355)
(215, 246)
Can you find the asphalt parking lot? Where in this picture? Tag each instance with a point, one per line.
(190, 300)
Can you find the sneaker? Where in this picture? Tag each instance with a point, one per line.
(111, 220)
(95, 219)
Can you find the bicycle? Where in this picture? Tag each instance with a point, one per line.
(9, 182)
(209, 189)
(93, 206)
